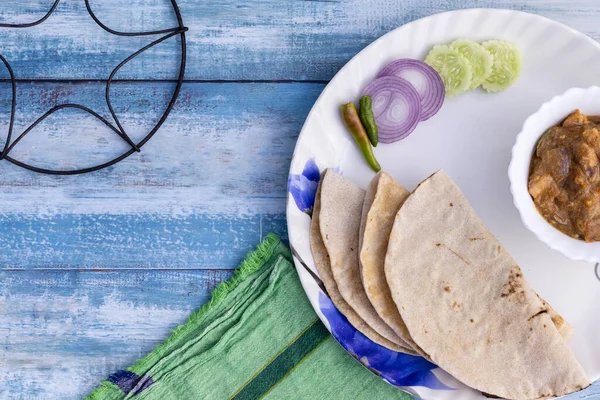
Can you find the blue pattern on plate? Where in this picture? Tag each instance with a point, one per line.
(396, 368)
(303, 187)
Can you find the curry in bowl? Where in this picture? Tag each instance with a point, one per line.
(564, 176)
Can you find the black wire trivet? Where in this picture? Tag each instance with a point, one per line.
(118, 129)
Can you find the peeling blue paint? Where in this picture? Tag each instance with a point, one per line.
(132, 241)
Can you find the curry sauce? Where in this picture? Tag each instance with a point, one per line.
(564, 176)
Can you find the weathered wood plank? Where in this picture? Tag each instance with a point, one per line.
(63, 332)
(225, 149)
(137, 241)
(253, 40)
(201, 193)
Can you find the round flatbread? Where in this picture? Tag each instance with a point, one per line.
(340, 212)
(382, 201)
(324, 268)
(466, 303)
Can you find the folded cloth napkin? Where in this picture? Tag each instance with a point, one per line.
(258, 337)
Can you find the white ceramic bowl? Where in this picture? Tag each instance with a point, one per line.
(549, 114)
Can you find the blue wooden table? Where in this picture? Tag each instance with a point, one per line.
(95, 270)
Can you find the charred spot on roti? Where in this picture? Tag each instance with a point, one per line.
(472, 320)
(490, 396)
(514, 287)
(438, 244)
(557, 320)
(451, 205)
(446, 286)
(473, 239)
(537, 314)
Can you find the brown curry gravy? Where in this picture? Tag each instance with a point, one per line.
(564, 176)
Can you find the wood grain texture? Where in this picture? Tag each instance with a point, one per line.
(232, 40)
(63, 331)
(202, 192)
(95, 270)
(140, 242)
(225, 149)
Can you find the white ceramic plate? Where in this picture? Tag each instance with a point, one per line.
(471, 138)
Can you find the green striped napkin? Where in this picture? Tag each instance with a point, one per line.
(258, 337)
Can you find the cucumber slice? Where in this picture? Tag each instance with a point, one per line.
(480, 59)
(508, 62)
(453, 67)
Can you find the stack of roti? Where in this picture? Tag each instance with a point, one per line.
(334, 237)
(420, 274)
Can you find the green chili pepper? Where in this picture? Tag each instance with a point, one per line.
(352, 121)
(368, 119)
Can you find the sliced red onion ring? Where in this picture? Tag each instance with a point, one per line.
(425, 79)
(396, 107)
